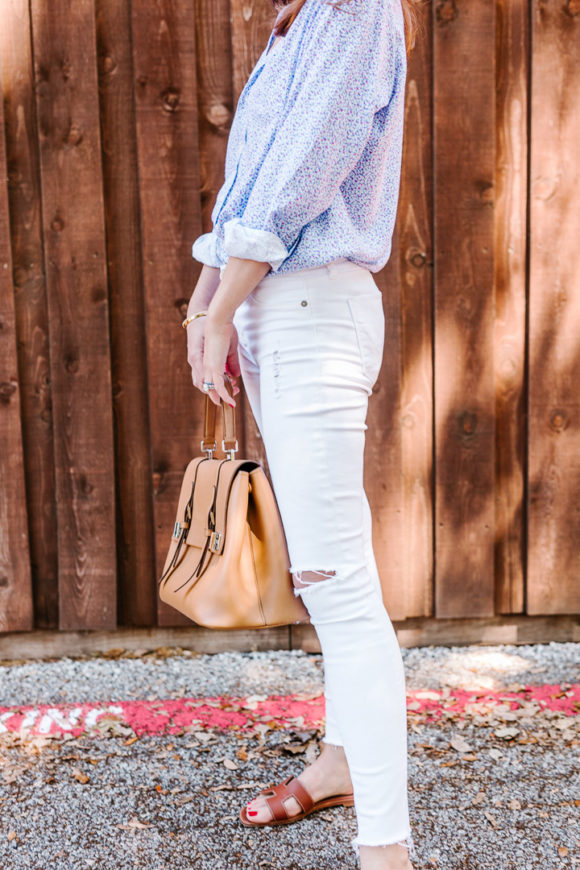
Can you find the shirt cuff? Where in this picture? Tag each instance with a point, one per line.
(251, 244)
(204, 249)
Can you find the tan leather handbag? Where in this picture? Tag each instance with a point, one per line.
(228, 563)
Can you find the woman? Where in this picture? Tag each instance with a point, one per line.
(304, 218)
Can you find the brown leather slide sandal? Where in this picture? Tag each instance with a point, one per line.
(275, 795)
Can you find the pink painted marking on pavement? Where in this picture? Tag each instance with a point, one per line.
(247, 714)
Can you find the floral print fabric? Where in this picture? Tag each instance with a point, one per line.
(313, 160)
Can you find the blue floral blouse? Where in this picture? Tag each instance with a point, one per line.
(313, 160)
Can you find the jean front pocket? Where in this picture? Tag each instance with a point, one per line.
(368, 317)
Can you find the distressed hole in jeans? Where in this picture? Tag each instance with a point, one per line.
(303, 579)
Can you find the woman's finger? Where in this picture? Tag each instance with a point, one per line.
(219, 391)
(233, 361)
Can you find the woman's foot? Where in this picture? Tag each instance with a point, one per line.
(327, 776)
(393, 857)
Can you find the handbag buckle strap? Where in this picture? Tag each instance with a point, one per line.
(215, 541)
(178, 527)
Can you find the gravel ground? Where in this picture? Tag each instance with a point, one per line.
(172, 802)
(169, 673)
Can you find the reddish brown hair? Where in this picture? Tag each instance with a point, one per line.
(291, 8)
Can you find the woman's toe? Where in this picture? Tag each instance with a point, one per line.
(258, 811)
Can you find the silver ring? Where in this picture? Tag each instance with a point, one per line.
(207, 386)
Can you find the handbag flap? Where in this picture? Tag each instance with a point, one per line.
(208, 484)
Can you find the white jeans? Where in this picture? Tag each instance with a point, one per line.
(310, 349)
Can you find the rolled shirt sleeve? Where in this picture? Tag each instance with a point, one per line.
(344, 74)
(204, 249)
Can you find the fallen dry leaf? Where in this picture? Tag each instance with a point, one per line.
(79, 775)
(134, 823)
(427, 695)
(479, 798)
(262, 728)
(112, 726)
(491, 819)
(311, 753)
(562, 851)
(294, 748)
(460, 744)
(507, 733)
(184, 800)
(11, 835)
(231, 765)
(204, 736)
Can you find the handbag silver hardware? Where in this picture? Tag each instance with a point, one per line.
(178, 527)
(214, 541)
(230, 453)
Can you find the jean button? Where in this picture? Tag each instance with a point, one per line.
(304, 302)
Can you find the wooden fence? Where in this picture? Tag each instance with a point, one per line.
(116, 115)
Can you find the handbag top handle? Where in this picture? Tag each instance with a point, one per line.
(229, 442)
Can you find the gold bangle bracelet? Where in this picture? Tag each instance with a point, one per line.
(188, 320)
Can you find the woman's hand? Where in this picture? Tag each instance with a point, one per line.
(220, 357)
(212, 352)
(213, 340)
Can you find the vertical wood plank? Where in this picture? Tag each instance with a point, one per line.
(216, 97)
(414, 251)
(74, 234)
(137, 588)
(383, 472)
(464, 163)
(554, 312)
(398, 455)
(512, 53)
(16, 75)
(15, 581)
(168, 159)
(251, 24)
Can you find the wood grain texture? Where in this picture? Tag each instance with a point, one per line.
(459, 632)
(510, 246)
(383, 472)
(15, 581)
(464, 165)
(22, 157)
(410, 633)
(554, 316)
(116, 118)
(252, 24)
(136, 574)
(74, 238)
(164, 62)
(414, 250)
(216, 97)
